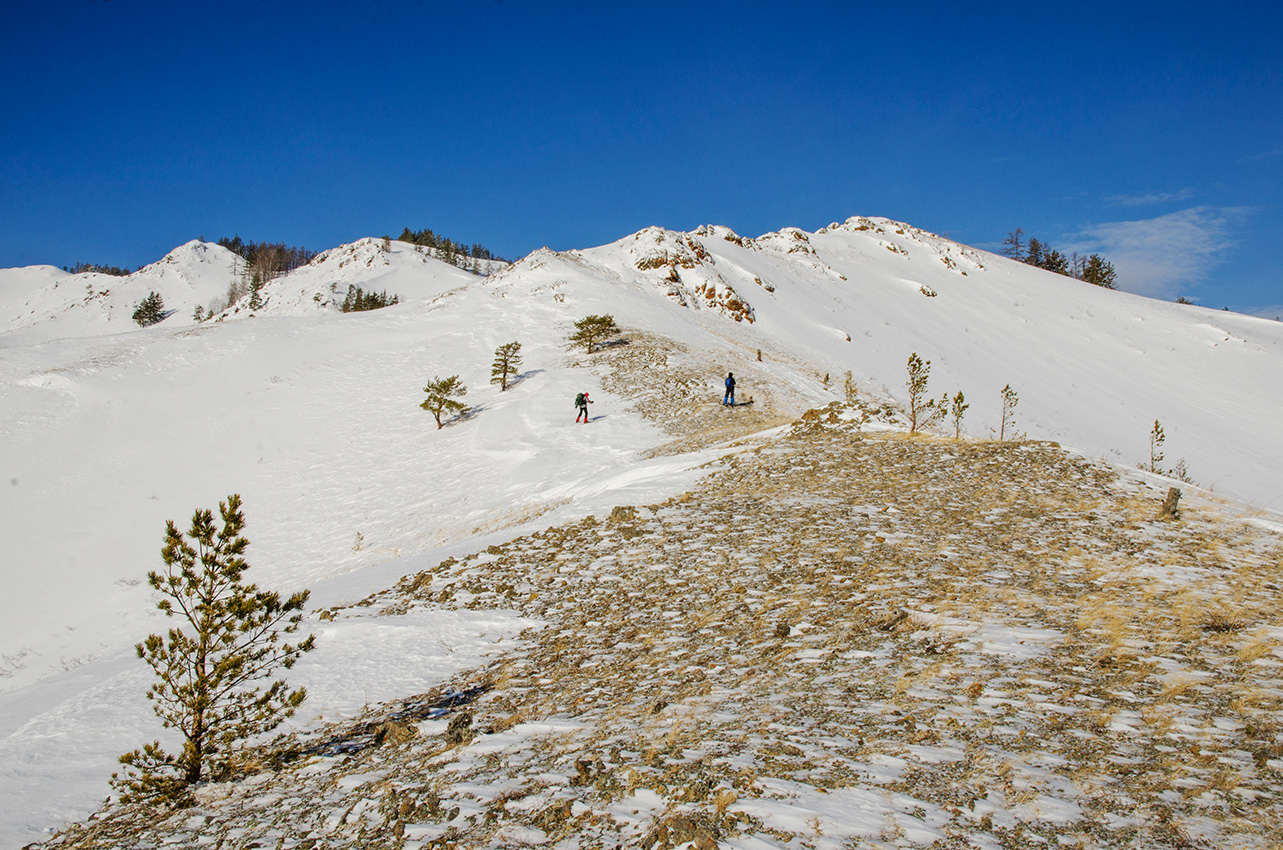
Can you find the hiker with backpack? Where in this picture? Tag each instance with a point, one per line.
(729, 398)
(582, 401)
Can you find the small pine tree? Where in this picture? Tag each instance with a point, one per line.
(848, 388)
(958, 407)
(923, 412)
(443, 394)
(1009, 401)
(1100, 271)
(591, 330)
(1036, 253)
(919, 374)
(207, 679)
(256, 291)
(507, 359)
(1156, 439)
(1054, 261)
(150, 310)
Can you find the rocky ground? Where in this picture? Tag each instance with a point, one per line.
(839, 639)
(679, 390)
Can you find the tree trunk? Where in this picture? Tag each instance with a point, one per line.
(1169, 510)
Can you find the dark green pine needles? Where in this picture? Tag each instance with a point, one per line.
(211, 670)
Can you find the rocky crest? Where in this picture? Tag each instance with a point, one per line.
(688, 272)
(971, 641)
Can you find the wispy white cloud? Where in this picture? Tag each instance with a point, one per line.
(1267, 312)
(1153, 199)
(1161, 256)
(1263, 155)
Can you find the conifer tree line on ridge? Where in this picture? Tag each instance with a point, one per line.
(1034, 252)
(93, 268)
(269, 259)
(266, 261)
(450, 250)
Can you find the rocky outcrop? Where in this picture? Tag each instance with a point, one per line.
(687, 271)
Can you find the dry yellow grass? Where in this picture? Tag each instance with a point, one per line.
(1010, 605)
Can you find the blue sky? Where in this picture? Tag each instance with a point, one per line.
(1152, 133)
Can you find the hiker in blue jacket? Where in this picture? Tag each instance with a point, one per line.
(729, 398)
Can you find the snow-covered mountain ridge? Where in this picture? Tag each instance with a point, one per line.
(312, 415)
(46, 301)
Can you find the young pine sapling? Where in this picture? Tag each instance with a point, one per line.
(507, 359)
(923, 412)
(958, 407)
(1009, 401)
(443, 395)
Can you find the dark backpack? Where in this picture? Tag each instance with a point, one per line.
(579, 400)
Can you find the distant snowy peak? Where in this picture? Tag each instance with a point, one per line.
(701, 269)
(22, 280)
(201, 281)
(905, 240)
(716, 269)
(790, 240)
(717, 231)
(91, 303)
(190, 273)
(193, 254)
(655, 248)
(387, 267)
(367, 253)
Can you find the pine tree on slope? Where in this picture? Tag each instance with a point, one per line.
(150, 310)
(208, 680)
(507, 359)
(442, 397)
(591, 330)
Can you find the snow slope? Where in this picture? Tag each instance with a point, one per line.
(402, 270)
(47, 302)
(312, 415)
(1093, 368)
